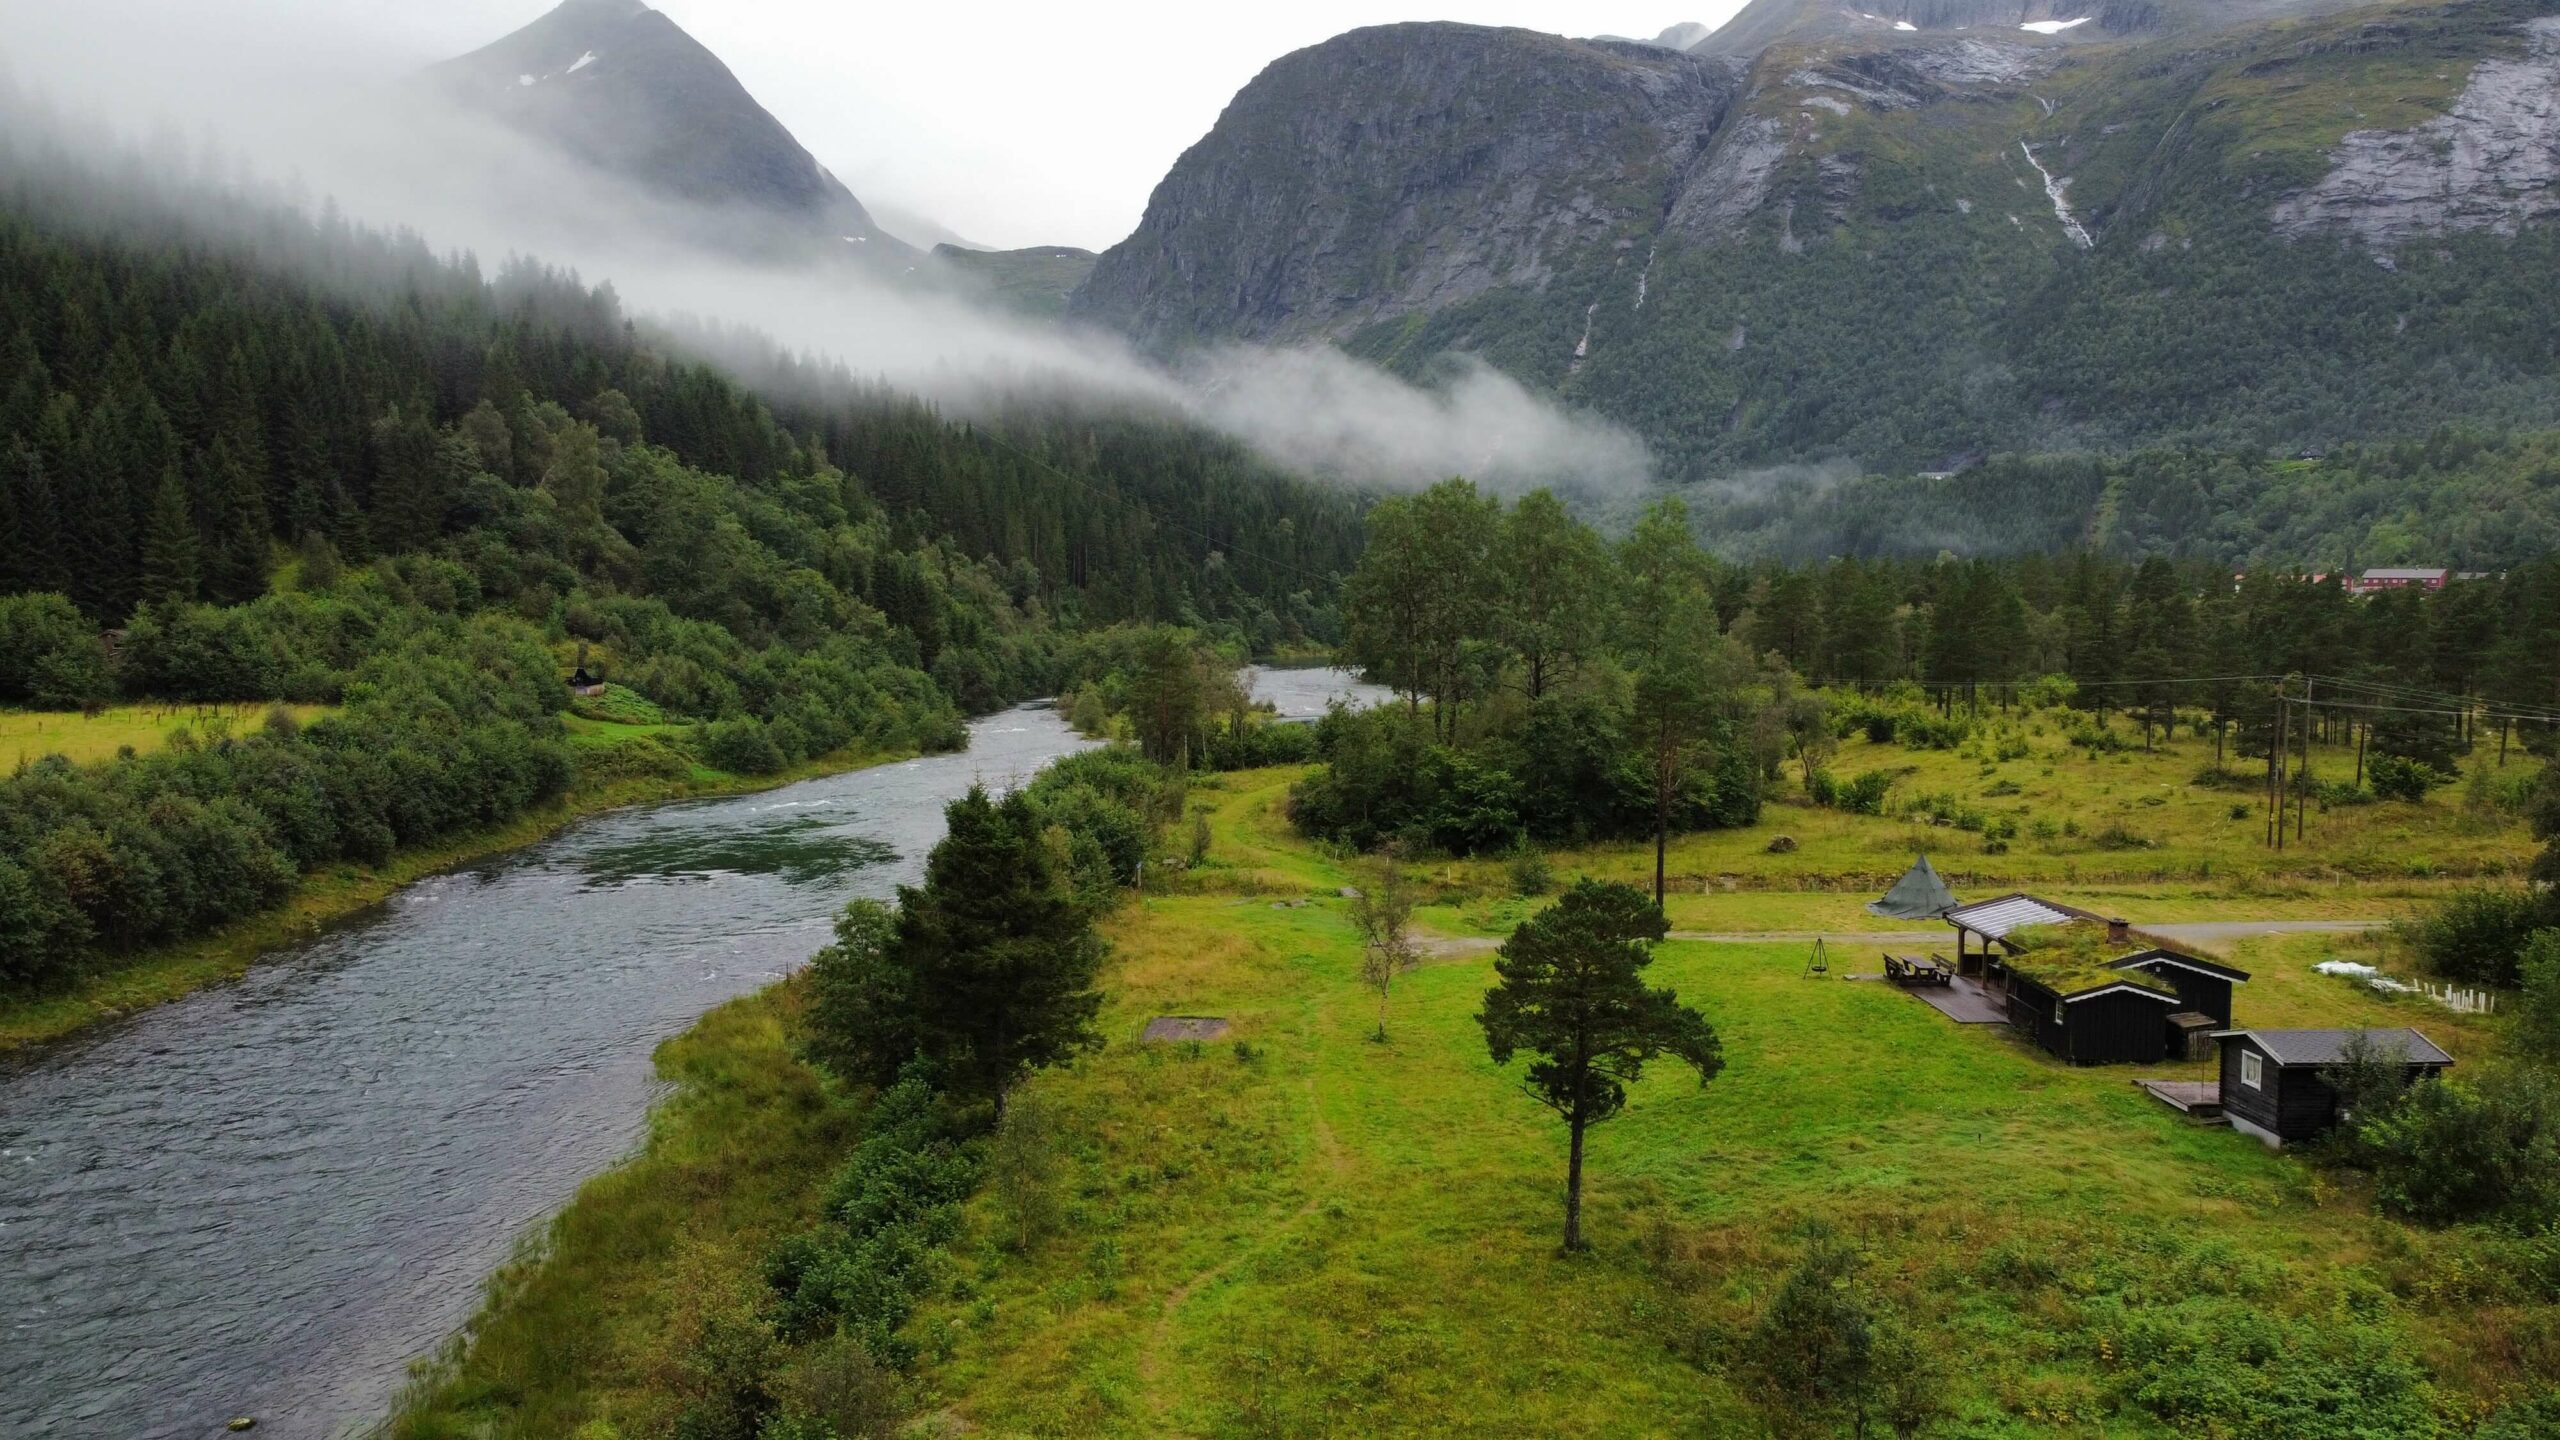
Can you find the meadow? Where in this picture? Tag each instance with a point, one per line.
(27, 736)
(1299, 1230)
(1308, 1232)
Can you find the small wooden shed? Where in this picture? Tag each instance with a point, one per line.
(2204, 986)
(2272, 1087)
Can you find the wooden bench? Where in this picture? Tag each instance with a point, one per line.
(1916, 970)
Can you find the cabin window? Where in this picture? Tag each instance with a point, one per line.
(2253, 1070)
(2061, 1013)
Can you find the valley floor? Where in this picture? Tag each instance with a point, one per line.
(1301, 1230)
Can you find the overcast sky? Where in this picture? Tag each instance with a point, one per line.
(1011, 123)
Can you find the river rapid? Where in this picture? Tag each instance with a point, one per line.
(266, 1198)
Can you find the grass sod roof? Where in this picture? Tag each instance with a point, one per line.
(2067, 959)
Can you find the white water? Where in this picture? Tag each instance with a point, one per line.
(2058, 191)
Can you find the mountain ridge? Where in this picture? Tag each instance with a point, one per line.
(1900, 247)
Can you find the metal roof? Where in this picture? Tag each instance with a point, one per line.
(2404, 573)
(2328, 1047)
(1997, 918)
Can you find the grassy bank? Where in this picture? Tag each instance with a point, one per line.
(338, 892)
(590, 1324)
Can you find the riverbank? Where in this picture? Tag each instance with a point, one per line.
(328, 897)
(591, 1324)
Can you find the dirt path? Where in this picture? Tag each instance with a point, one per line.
(1151, 1359)
(2207, 933)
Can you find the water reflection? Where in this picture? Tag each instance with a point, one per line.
(797, 849)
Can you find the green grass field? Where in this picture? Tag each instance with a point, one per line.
(1333, 1235)
(1301, 1231)
(29, 735)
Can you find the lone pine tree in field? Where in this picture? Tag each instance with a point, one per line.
(1573, 995)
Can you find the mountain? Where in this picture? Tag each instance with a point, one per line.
(1679, 37)
(1906, 233)
(620, 87)
(1764, 23)
(1037, 280)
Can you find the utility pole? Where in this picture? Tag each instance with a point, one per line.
(2279, 741)
(2302, 802)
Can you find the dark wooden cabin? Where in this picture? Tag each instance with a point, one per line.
(2116, 1018)
(2204, 986)
(2271, 1082)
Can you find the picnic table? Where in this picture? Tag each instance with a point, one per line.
(1917, 969)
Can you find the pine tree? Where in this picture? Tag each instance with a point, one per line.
(169, 544)
(31, 550)
(1572, 995)
(237, 537)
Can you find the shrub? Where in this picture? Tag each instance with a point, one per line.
(2394, 778)
(2117, 837)
(2537, 1012)
(2449, 1151)
(2216, 1365)
(2477, 934)
(1531, 875)
(741, 747)
(1813, 1352)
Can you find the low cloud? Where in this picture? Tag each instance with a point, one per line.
(390, 155)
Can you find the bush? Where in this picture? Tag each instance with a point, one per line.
(2216, 1365)
(2487, 1149)
(1531, 875)
(2394, 778)
(1258, 745)
(2477, 934)
(1862, 796)
(741, 747)
(2537, 1012)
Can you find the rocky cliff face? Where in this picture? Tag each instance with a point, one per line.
(2490, 163)
(1404, 169)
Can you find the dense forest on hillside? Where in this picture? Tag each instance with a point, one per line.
(2454, 499)
(248, 454)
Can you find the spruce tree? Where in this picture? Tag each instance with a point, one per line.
(169, 545)
(998, 960)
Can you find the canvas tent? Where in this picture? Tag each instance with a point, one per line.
(1918, 895)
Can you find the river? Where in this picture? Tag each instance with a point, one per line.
(266, 1198)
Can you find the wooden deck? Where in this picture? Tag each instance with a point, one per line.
(1963, 1000)
(2196, 1099)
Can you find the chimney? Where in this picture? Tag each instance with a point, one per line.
(2119, 931)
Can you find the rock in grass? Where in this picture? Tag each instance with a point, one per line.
(1783, 845)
